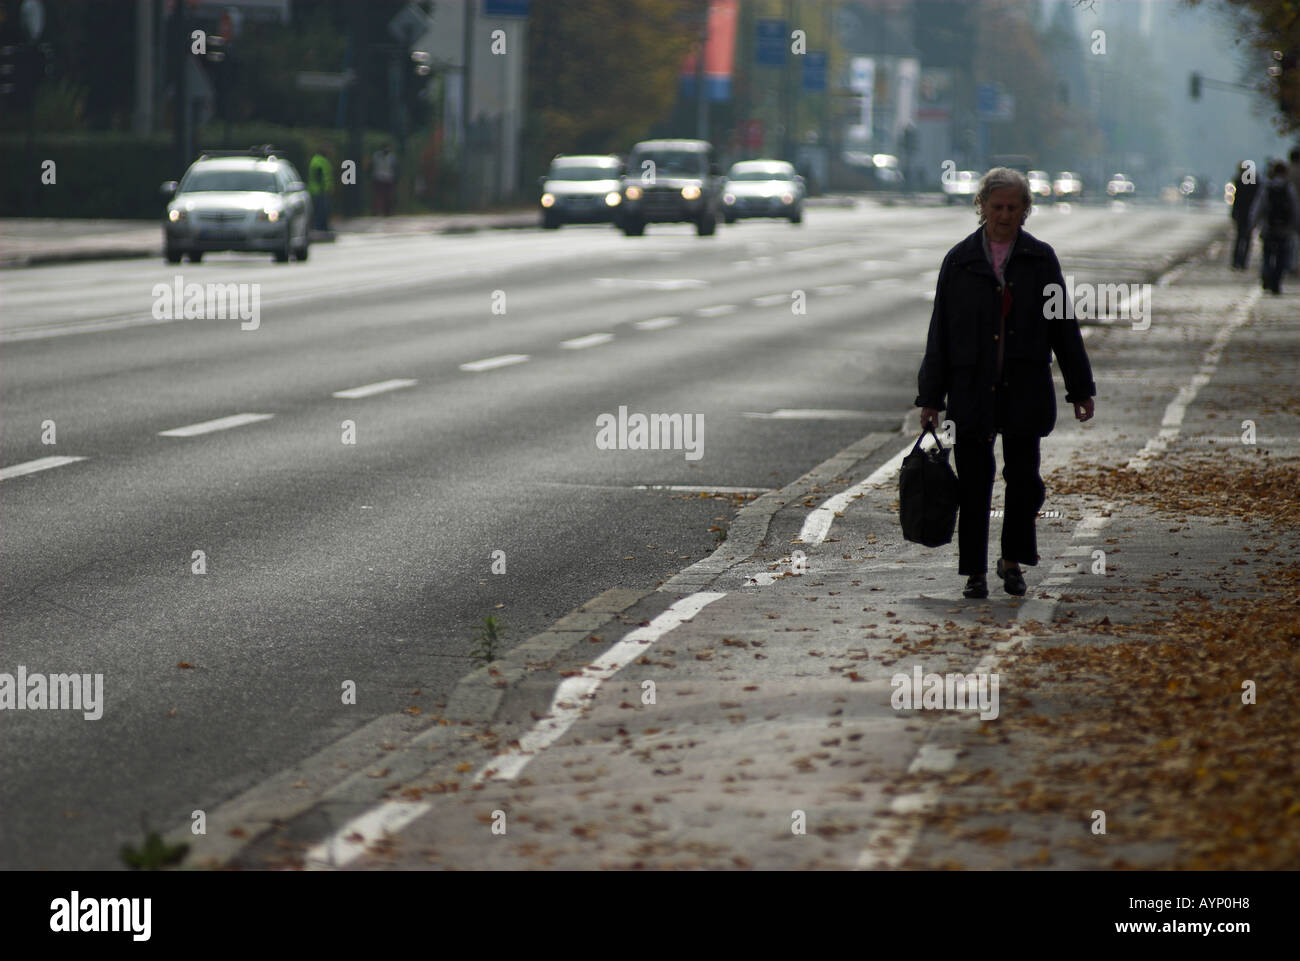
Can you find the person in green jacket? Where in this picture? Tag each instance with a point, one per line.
(320, 174)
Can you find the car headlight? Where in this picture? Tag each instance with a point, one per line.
(548, 200)
(728, 198)
(787, 198)
(175, 215)
(612, 199)
(633, 193)
(690, 192)
(269, 214)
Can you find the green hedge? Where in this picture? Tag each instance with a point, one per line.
(117, 176)
(95, 176)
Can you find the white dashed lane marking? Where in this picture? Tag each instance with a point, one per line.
(491, 363)
(591, 340)
(32, 466)
(221, 423)
(656, 323)
(671, 284)
(716, 311)
(352, 393)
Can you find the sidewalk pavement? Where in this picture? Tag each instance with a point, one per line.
(747, 713)
(36, 242)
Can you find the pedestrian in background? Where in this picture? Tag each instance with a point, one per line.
(987, 362)
(320, 177)
(1243, 203)
(383, 175)
(1294, 177)
(1275, 212)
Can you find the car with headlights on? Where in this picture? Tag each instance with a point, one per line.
(1067, 187)
(960, 186)
(1120, 187)
(237, 200)
(763, 188)
(581, 189)
(1040, 184)
(671, 181)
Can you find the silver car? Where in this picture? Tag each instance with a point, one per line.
(763, 188)
(581, 189)
(251, 202)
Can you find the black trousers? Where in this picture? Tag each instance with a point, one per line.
(1025, 493)
(1276, 250)
(1241, 249)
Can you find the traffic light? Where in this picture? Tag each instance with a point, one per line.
(1196, 86)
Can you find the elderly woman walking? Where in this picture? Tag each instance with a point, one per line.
(988, 363)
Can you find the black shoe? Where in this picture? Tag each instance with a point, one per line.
(976, 587)
(1013, 582)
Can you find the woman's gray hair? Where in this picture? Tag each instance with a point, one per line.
(996, 179)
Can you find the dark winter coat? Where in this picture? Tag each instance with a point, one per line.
(1243, 202)
(1277, 192)
(958, 373)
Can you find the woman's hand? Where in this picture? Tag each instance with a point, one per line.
(929, 418)
(1083, 411)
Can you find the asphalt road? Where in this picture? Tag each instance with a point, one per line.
(371, 562)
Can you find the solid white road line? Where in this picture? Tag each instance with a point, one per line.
(806, 413)
(591, 340)
(208, 426)
(716, 310)
(656, 323)
(349, 842)
(352, 393)
(32, 466)
(491, 363)
(573, 693)
(1171, 424)
(818, 524)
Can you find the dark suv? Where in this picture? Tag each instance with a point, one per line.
(671, 182)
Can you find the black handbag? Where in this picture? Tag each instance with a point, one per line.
(927, 494)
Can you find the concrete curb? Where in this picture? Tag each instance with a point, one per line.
(78, 256)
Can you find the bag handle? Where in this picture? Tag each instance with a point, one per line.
(927, 430)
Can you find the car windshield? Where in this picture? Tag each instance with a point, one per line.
(263, 180)
(759, 173)
(667, 162)
(583, 173)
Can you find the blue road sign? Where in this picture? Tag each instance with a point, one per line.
(505, 8)
(770, 51)
(814, 71)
